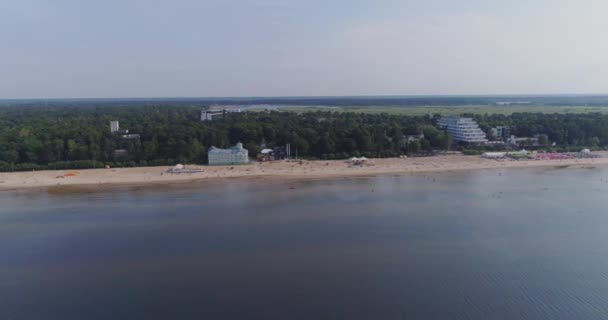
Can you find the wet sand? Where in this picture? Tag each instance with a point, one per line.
(318, 169)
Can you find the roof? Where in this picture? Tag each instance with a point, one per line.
(235, 149)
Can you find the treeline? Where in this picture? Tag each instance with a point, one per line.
(60, 137)
(566, 130)
(40, 137)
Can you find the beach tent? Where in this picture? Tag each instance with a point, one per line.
(359, 161)
(494, 155)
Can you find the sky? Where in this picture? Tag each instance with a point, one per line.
(230, 48)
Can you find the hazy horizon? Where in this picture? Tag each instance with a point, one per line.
(387, 96)
(293, 48)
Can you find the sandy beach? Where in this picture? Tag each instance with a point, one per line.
(318, 169)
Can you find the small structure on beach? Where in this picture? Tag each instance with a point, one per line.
(553, 156)
(363, 161)
(276, 153)
(180, 168)
(231, 156)
(265, 155)
(281, 152)
(520, 155)
(494, 155)
(586, 153)
(515, 155)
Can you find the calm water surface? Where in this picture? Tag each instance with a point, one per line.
(510, 244)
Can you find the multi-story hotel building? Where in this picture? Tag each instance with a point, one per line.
(463, 129)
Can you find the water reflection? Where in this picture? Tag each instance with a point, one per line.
(498, 244)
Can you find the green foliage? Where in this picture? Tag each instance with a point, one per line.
(472, 152)
(579, 130)
(543, 140)
(414, 147)
(39, 137)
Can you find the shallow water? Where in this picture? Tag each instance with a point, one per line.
(495, 244)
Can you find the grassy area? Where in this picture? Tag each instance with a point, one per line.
(455, 110)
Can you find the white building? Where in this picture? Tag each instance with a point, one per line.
(210, 115)
(523, 141)
(114, 127)
(232, 155)
(463, 129)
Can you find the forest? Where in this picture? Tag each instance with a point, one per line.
(62, 137)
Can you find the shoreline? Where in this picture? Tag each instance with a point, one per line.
(279, 170)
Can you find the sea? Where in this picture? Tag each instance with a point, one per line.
(487, 244)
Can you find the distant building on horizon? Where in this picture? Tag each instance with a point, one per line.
(233, 155)
(210, 115)
(463, 129)
(216, 112)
